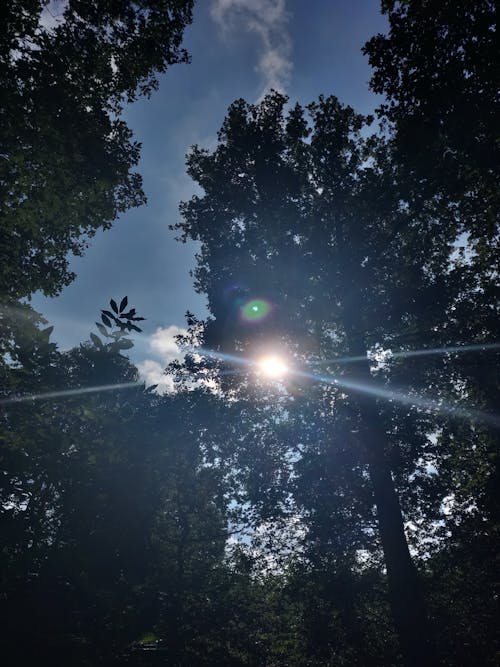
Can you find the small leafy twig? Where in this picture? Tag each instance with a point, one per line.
(123, 321)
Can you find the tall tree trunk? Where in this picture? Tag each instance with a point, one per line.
(406, 594)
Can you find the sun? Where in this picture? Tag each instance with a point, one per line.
(272, 366)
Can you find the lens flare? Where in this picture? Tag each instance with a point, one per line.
(272, 367)
(219, 356)
(255, 310)
(65, 393)
(397, 395)
(275, 367)
(407, 354)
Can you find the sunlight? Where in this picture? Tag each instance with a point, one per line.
(391, 394)
(272, 366)
(406, 354)
(69, 392)
(275, 367)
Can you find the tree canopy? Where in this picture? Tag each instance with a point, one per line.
(341, 509)
(67, 156)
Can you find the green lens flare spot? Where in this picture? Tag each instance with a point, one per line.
(255, 310)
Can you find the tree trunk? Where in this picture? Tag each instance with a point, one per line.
(406, 594)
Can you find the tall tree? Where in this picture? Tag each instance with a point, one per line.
(305, 215)
(67, 156)
(438, 70)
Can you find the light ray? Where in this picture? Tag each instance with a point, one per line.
(399, 396)
(69, 392)
(396, 395)
(229, 372)
(221, 356)
(484, 347)
(453, 349)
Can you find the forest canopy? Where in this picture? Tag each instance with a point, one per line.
(321, 486)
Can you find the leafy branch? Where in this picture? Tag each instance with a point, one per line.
(123, 322)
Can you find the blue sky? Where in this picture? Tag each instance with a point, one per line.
(239, 48)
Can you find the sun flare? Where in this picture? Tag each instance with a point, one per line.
(272, 366)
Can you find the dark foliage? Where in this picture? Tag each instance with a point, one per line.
(348, 515)
(67, 157)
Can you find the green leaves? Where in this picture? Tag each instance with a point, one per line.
(315, 222)
(68, 158)
(96, 340)
(102, 329)
(437, 68)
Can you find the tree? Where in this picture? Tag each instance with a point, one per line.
(306, 215)
(437, 69)
(67, 156)
(113, 523)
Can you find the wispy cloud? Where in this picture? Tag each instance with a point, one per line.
(268, 21)
(163, 346)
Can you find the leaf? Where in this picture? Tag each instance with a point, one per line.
(132, 326)
(106, 320)
(96, 340)
(114, 306)
(123, 304)
(102, 329)
(46, 332)
(108, 314)
(125, 344)
(151, 388)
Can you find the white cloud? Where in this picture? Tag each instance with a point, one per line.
(153, 373)
(267, 19)
(162, 344)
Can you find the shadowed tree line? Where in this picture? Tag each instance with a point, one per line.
(347, 515)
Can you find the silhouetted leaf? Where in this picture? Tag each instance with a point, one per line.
(106, 320)
(123, 304)
(102, 329)
(114, 306)
(96, 340)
